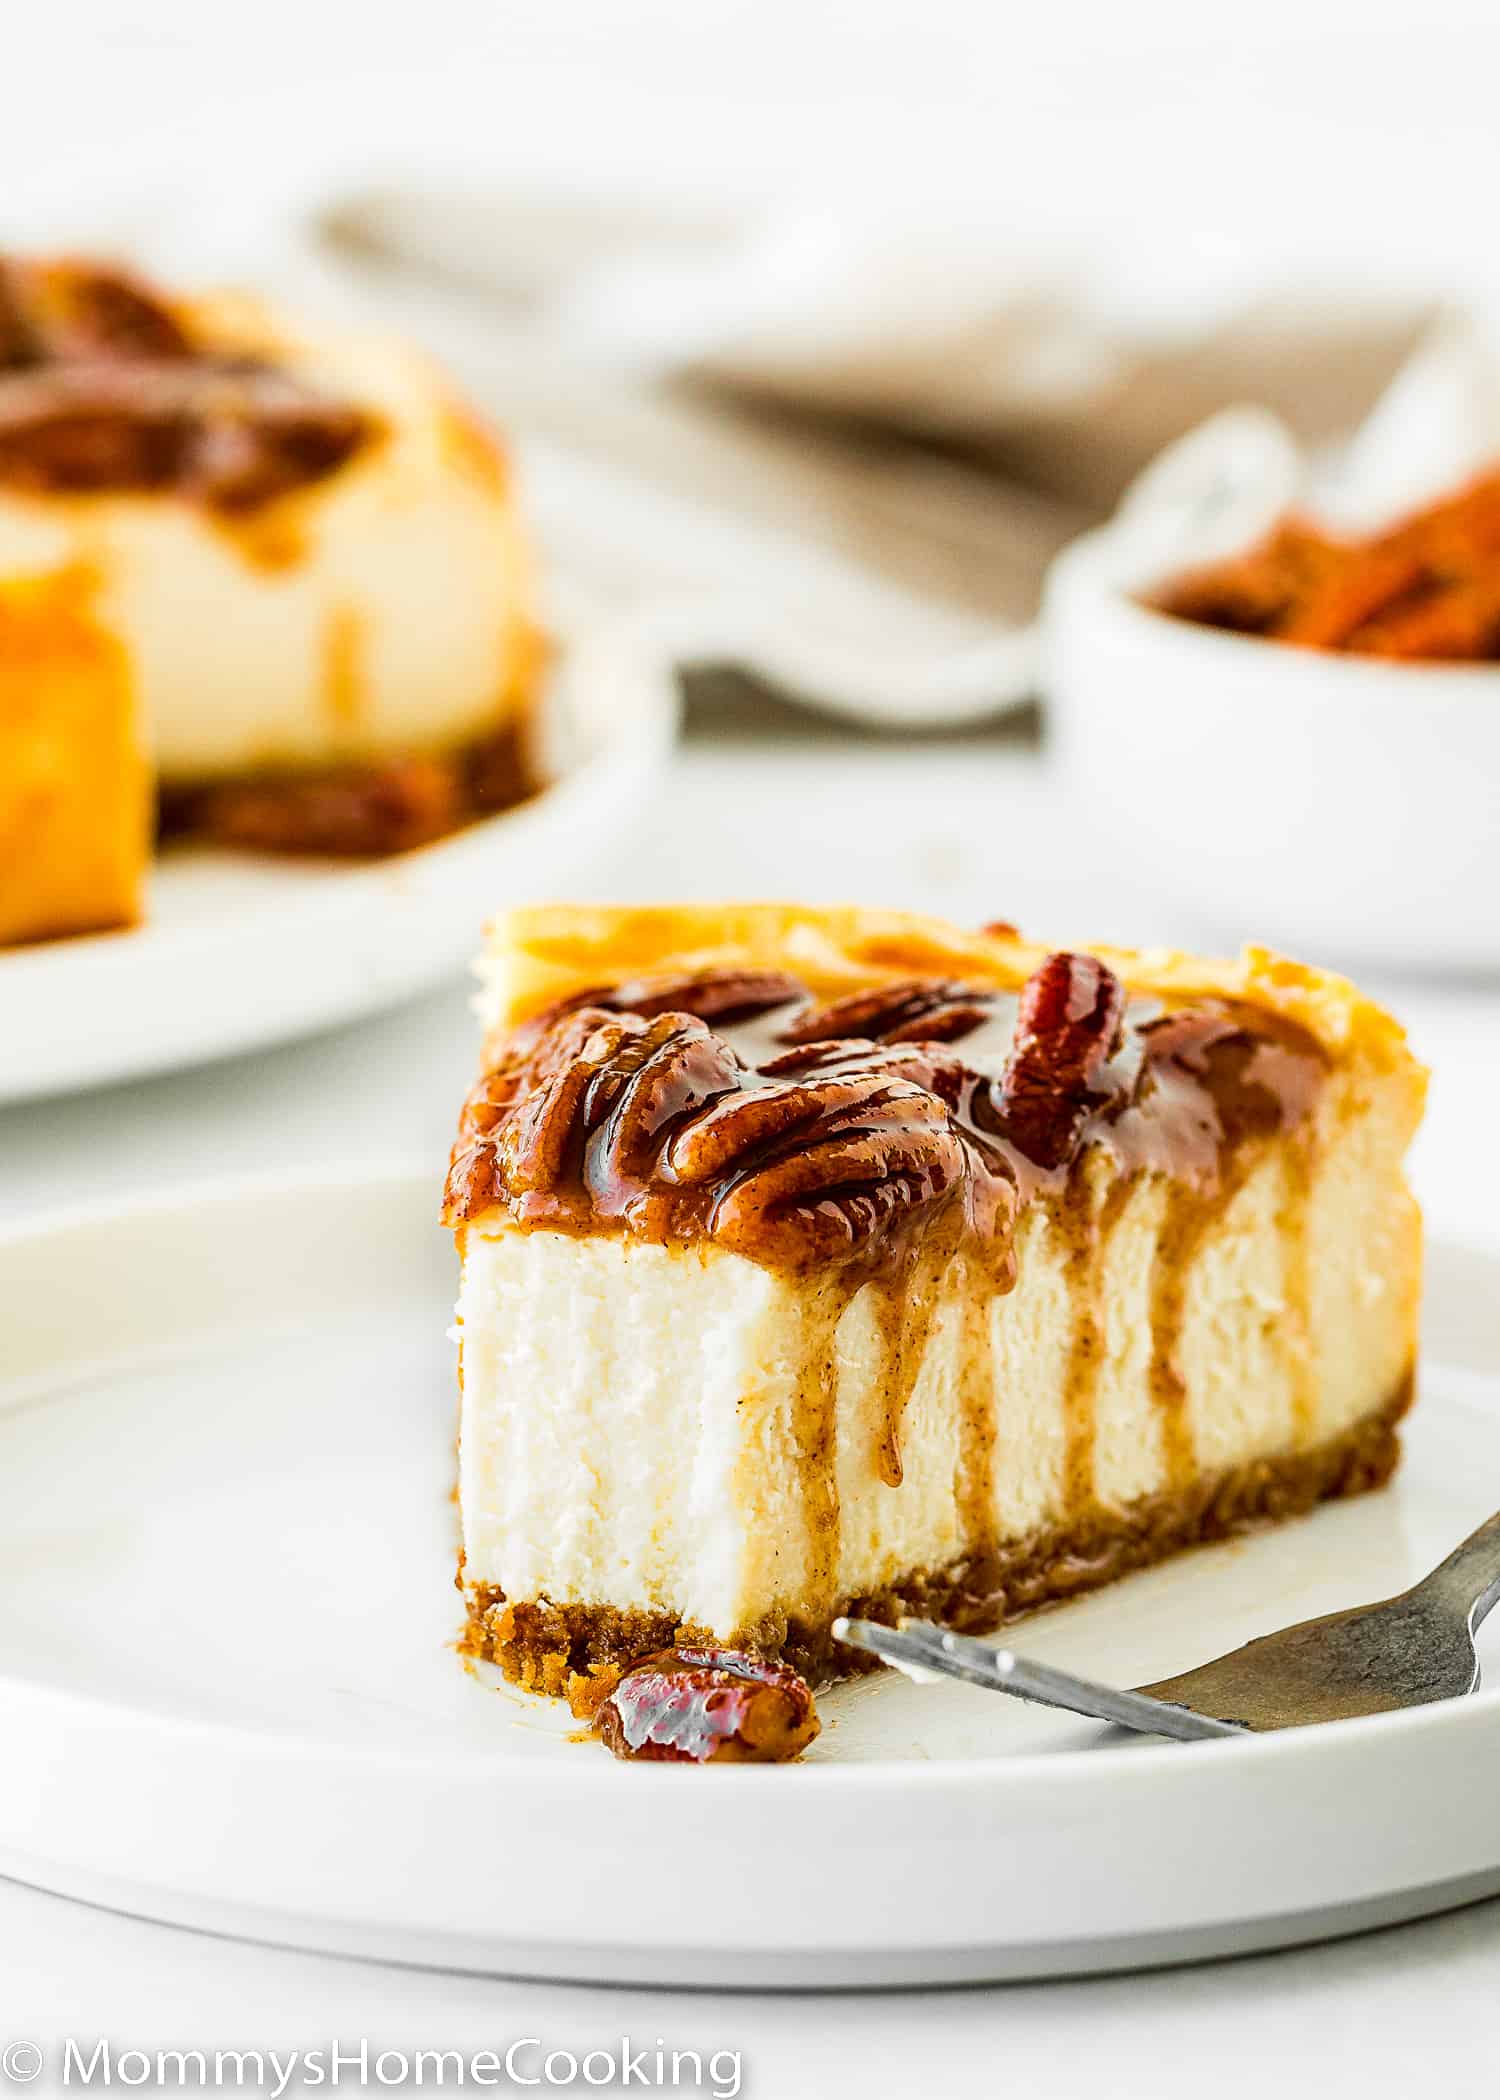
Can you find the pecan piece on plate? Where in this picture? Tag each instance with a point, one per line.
(708, 1706)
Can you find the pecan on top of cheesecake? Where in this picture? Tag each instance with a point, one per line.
(820, 1261)
(304, 551)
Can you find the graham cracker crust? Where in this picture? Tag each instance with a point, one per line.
(578, 1650)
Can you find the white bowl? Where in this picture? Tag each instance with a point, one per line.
(1335, 806)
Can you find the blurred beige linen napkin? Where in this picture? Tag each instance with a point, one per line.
(835, 451)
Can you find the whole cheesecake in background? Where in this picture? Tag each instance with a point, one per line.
(302, 551)
(825, 1261)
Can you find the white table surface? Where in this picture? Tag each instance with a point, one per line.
(969, 826)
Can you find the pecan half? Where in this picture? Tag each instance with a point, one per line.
(923, 1010)
(658, 1079)
(926, 1064)
(534, 1055)
(479, 1173)
(574, 1132)
(812, 1171)
(724, 996)
(713, 995)
(708, 1706)
(52, 311)
(1069, 1025)
(232, 434)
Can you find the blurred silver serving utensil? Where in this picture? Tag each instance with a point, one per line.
(1410, 1650)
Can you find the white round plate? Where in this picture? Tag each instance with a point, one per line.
(239, 950)
(229, 1695)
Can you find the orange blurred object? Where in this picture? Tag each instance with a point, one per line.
(1426, 590)
(75, 787)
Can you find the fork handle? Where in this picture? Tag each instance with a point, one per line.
(1470, 1576)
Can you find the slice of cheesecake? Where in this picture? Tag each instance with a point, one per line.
(826, 1261)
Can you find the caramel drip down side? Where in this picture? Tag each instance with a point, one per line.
(1081, 1218)
(1188, 1219)
(343, 668)
(1182, 1226)
(906, 1305)
(1297, 1331)
(978, 1416)
(824, 1301)
(1226, 1088)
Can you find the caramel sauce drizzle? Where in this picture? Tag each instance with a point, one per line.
(1297, 1287)
(815, 1429)
(907, 1304)
(892, 1140)
(1082, 1218)
(1178, 1237)
(104, 388)
(978, 1427)
(1259, 1078)
(343, 667)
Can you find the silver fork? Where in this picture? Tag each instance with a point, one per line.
(1409, 1650)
